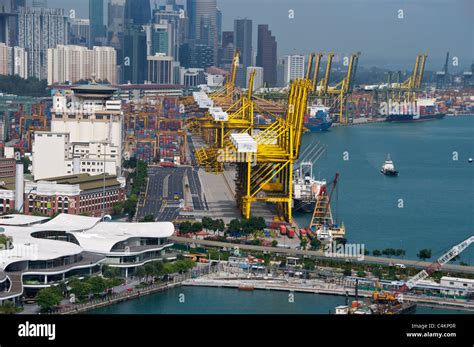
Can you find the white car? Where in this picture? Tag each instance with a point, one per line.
(400, 266)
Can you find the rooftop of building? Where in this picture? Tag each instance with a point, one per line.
(86, 181)
(92, 235)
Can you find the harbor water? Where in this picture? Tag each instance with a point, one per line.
(429, 205)
(201, 300)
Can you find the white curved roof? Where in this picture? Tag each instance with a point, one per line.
(70, 222)
(20, 219)
(92, 235)
(104, 236)
(26, 247)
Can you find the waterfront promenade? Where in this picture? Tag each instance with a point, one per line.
(233, 280)
(319, 254)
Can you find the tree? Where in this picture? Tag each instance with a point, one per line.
(196, 227)
(376, 253)
(80, 288)
(149, 218)
(309, 264)
(424, 254)
(360, 273)
(117, 209)
(111, 272)
(234, 226)
(9, 307)
(315, 243)
(348, 270)
(185, 227)
(140, 272)
(26, 164)
(48, 298)
(274, 243)
(303, 243)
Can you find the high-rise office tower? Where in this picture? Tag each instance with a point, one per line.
(202, 23)
(243, 43)
(173, 15)
(137, 12)
(6, 13)
(79, 32)
(294, 67)
(219, 26)
(267, 54)
(134, 61)
(98, 31)
(39, 29)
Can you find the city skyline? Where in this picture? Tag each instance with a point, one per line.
(350, 26)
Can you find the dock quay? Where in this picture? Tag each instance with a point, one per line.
(318, 287)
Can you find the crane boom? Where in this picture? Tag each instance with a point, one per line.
(435, 266)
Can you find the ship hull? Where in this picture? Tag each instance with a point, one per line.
(303, 206)
(409, 118)
(314, 128)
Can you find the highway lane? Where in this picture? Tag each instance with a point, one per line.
(165, 189)
(320, 254)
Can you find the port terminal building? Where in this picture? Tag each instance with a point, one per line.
(43, 252)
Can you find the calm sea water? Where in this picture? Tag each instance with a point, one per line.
(437, 192)
(199, 300)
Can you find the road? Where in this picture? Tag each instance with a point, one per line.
(320, 254)
(163, 194)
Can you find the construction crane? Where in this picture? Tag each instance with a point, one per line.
(436, 265)
(322, 225)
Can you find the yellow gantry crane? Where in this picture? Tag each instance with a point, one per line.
(266, 174)
(336, 96)
(264, 154)
(407, 91)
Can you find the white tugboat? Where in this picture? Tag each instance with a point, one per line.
(388, 168)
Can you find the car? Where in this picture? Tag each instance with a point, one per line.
(401, 266)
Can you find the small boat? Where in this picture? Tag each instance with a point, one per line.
(470, 160)
(388, 168)
(246, 287)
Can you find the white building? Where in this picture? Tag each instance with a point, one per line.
(162, 69)
(258, 81)
(42, 255)
(70, 63)
(457, 286)
(85, 136)
(13, 61)
(293, 67)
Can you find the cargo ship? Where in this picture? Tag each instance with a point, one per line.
(318, 119)
(419, 111)
(305, 188)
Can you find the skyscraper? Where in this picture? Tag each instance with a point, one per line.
(6, 12)
(174, 15)
(243, 43)
(40, 29)
(79, 32)
(294, 67)
(267, 54)
(98, 29)
(134, 62)
(202, 23)
(137, 12)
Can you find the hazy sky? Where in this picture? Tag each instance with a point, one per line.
(344, 26)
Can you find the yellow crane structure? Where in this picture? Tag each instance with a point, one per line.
(228, 91)
(216, 131)
(264, 173)
(407, 91)
(337, 96)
